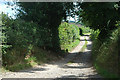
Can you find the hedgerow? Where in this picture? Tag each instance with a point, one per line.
(23, 42)
(68, 34)
(20, 37)
(105, 54)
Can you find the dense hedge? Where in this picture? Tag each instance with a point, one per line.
(68, 34)
(105, 54)
(19, 38)
(94, 34)
(85, 29)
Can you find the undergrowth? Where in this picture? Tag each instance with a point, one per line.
(84, 46)
(105, 54)
(37, 57)
(85, 30)
(69, 36)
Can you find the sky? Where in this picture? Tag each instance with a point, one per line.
(7, 10)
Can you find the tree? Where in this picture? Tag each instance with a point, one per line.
(102, 16)
(47, 15)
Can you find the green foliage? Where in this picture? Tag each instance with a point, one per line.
(69, 36)
(17, 67)
(105, 54)
(85, 29)
(100, 16)
(105, 72)
(38, 56)
(84, 46)
(44, 11)
(94, 34)
(22, 41)
(19, 38)
(46, 15)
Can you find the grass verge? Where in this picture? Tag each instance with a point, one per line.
(105, 73)
(38, 57)
(105, 54)
(84, 46)
(71, 46)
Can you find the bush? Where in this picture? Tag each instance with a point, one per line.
(85, 29)
(19, 38)
(68, 35)
(94, 34)
(105, 54)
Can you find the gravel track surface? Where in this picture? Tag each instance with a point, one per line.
(74, 65)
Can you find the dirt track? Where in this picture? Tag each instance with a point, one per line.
(74, 65)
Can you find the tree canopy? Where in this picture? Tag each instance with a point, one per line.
(102, 16)
(48, 15)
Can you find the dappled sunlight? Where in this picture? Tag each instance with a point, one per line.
(33, 70)
(41, 41)
(78, 48)
(75, 65)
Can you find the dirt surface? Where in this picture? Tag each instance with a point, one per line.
(74, 65)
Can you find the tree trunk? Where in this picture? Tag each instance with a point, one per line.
(54, 25)
(55, 39)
